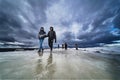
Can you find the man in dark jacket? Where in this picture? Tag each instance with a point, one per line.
(51, 37)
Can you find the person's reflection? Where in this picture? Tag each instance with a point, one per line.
(40, 53)
(39, 67)
(45, 71)
(50, 67)
(50, 59)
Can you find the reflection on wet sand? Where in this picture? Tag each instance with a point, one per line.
(45, 71)
(40, 53)
(50, 59)
(50, 66)
(39, 67)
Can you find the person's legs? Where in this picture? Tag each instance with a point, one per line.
(41, 42)
(50, 44)
(39, 45)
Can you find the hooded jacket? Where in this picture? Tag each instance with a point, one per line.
(51, 35)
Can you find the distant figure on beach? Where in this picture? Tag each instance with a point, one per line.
(66, 46)
(41, 36)
(62, 46)
(51, 38)
(58, 46)
(76, 46)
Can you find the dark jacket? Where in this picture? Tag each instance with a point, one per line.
(51, 35)
(42, 34)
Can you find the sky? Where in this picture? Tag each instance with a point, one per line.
(88, 23)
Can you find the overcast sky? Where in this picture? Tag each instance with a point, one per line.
(86, 22)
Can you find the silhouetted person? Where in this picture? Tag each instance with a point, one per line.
(58, 46)
(51, 37)
(66, 46)
(41, 36)
(62, 46)
(76, 46)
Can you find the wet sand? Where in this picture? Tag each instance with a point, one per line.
(71, 64)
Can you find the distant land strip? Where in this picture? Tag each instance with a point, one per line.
(16, 49)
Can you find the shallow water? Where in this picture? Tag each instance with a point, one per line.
(60, 64)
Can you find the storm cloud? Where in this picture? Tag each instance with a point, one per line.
(86, 22)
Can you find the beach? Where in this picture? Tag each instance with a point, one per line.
(71, 64)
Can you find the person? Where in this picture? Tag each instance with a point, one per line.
(76, 46)
(51, 37)
(58, 46)
(62, 46)
(65, 46)
(41, 36)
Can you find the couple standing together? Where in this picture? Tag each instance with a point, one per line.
(51, 38)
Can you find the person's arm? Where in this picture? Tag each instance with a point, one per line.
(55, 36)
(45, 34)
(38, 35)
(48, 34)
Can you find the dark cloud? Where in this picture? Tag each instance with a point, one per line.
(117, 21)
(19, 19)
(86, 22)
